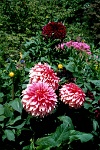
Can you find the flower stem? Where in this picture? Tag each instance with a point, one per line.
(13, 94)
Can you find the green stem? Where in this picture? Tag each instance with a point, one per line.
(13, 94)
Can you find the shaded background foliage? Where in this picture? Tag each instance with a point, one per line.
(22, 19)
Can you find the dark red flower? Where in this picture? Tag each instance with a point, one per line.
(99, 102)
(97, 113)
(90, 95)
(54, 30)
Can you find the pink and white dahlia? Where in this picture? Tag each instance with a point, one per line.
(44, 73)
(39, 99)
(73, 95)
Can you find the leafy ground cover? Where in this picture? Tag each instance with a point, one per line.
(49, 76)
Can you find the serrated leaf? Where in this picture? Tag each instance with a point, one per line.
(16, 105)
(10, 135)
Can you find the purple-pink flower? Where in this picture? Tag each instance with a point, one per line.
(72, 95)
(39, 99)
(76, 45)
(44, 73)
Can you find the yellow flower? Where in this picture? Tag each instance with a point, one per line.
(11, 74)
(20, 55)
(83, 41)
(60, 66)
(47, 16)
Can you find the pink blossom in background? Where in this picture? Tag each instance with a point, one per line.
(44, 73)
(76, 45)
(72, 95)
(39, 99)
(61, 46)
(68, 44)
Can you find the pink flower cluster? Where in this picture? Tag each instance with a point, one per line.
(76, 45)
(40, 99)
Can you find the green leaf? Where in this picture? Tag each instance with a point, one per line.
(2, 118)
(26, 147)
(11, 122)
(10, 135)
(7, 111)
(25, 54)
(1, 94)
(24, 86)
(95, 125)
(1, 99)
(1, 109)
(83, 137)
(87, 105)
(70, 66)
(60, 135)
(95, 82)
(43, 147)
(18, 126)
(63, 80)
(16, 105)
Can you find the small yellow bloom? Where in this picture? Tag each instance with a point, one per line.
(47, 16)
(11, 74)
(83, 41)
(20, 55)
(60, 66)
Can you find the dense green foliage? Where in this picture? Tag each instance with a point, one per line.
(22, 46)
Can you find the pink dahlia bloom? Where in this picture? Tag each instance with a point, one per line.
(73, 95)
(44, 73)
(54, 30)
(69, 44)
(61, 46)
(76, 45)
(39, 99)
